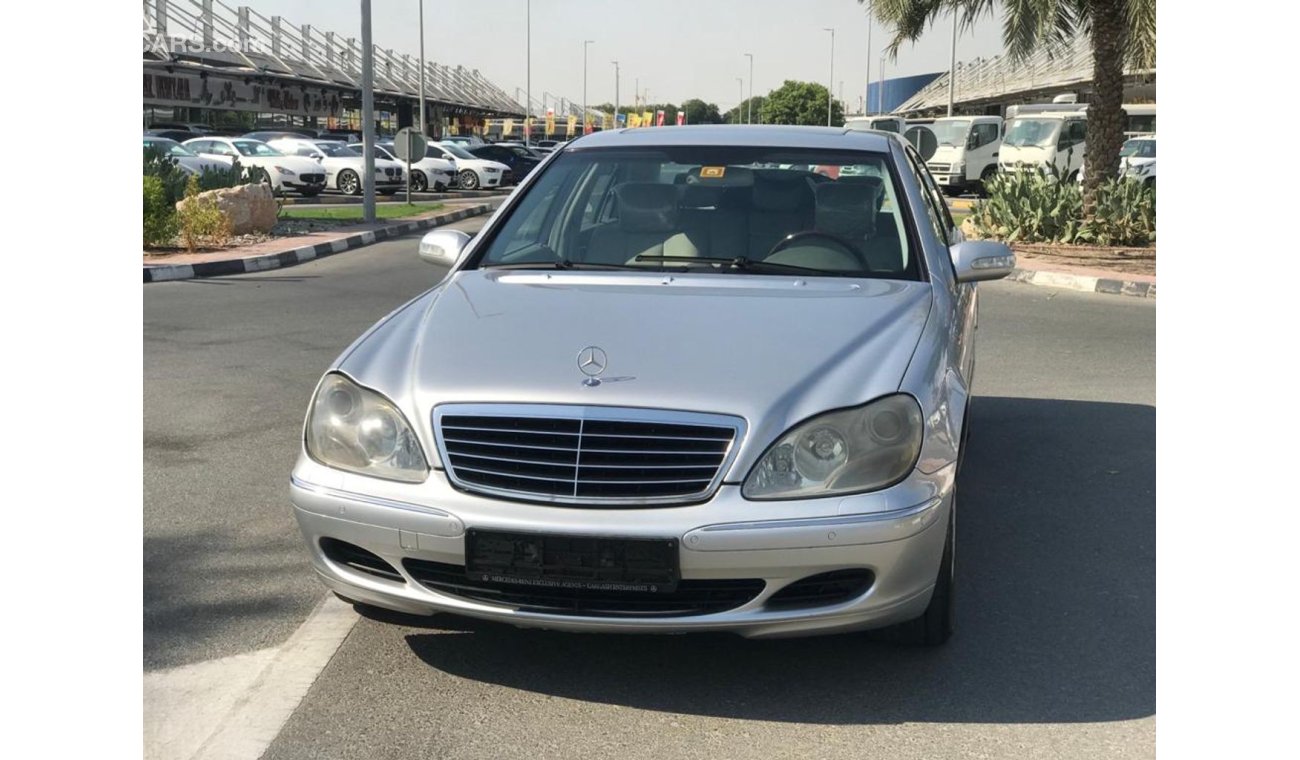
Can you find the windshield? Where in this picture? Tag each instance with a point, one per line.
(254, 148)
(1138, 149)
(169, 147)
(1039, 132)
(951, 132)
(457, 151)
(335, 149)
(710, 209)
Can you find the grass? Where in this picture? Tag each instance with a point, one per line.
(959, 216)
(353, 213)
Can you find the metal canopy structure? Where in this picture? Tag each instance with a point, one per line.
(211, 37)
(997, 80)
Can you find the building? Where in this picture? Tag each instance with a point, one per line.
(205, 62)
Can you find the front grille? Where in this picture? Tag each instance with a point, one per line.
(361, 560)
(390, 171)
(823, 589)
(692, 597)
(582, 455)
(942, 168)
(312, 178)
(506, 177)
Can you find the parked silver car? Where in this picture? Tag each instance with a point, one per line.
(667, 388)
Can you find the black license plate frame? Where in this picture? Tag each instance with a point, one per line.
(578, 562)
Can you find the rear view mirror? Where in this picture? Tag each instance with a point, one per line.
(976, 260)
(443, 247)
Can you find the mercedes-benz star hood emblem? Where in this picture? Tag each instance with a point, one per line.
(592, 361)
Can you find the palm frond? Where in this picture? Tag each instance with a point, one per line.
(1141, 33)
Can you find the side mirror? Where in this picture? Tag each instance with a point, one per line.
(976, 260)
(443, 247)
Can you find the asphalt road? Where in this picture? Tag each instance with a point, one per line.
(1054, 654)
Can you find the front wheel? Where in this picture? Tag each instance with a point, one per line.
(468, 180)
(349, 182)
(934, 627)
(419, 182)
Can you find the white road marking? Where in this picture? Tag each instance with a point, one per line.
(234, 707)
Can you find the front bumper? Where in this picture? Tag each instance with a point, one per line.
(901, 547)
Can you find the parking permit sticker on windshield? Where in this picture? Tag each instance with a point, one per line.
(712, 172)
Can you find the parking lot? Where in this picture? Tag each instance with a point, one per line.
(1054, 654)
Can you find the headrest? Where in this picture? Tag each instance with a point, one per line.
(647, 207)
(847, 210)
(720, 176)
(866, 179)
(781, 194)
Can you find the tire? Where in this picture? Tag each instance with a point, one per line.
(934, 627)
(349, 183)
(468, 179)
(989, 173)
(419, 182)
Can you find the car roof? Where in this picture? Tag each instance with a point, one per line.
(758, 136)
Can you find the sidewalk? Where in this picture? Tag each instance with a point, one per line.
(1083, 279)
(287, 252)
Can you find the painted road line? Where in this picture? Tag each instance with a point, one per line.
(234, 707)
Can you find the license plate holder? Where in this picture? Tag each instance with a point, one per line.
(561, 561)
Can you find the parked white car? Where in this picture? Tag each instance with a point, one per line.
(472, 172)
(434, 174)
(286, 172)
(1137, 159)
(344, 166)
(189, 161)
(966, 152)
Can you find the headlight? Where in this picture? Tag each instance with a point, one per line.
(846, 451)
(284, 171)
(358, 430)
(958, 168)
(491, 170)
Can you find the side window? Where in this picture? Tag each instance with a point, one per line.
(936, 208)
(1074, 133)
(221, 149)
(200, 146)
(987, 133)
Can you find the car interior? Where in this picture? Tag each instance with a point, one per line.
(794, 216)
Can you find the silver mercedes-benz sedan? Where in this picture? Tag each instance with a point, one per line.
(671, 386)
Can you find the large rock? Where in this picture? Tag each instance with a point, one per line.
(250, 208)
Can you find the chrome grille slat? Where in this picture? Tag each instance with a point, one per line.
(585, 455)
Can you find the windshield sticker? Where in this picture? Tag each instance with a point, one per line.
(712, 172)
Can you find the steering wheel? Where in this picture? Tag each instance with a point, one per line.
(839, 242)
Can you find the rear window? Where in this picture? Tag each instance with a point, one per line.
(754, 211)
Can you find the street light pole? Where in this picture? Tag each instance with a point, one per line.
(528, 80)
(880, 96)
(422, 122)
(739, 110)
(952, 68)
(749, 116)
(367, 116)
(616, 78)
(871, 9)
(830, 82)
(585, 43)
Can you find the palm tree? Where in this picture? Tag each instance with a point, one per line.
(1120, 31)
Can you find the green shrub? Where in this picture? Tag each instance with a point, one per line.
(1038, 207)
(201, 221)
(159, 214)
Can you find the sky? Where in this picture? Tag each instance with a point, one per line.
(674, 49)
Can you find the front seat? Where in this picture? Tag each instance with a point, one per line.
(648, 224)
(848, 211)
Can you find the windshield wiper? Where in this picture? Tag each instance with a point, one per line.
(740, 262)
(558, 264)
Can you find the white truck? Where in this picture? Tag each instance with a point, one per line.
(1045, 138)
(966, 152)
(882, 123)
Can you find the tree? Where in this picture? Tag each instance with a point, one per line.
(800, 103)
(1119, 31)
(699, 112)
(730, 116)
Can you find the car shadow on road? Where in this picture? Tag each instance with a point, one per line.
(1056, 606)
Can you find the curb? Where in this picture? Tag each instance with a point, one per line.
(293, 256)
(1083, 283)
(399, 197)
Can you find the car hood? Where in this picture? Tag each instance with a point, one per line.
(771, 349)
(947, 154)
(295, 164)
(358, 162)
(480, 163)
